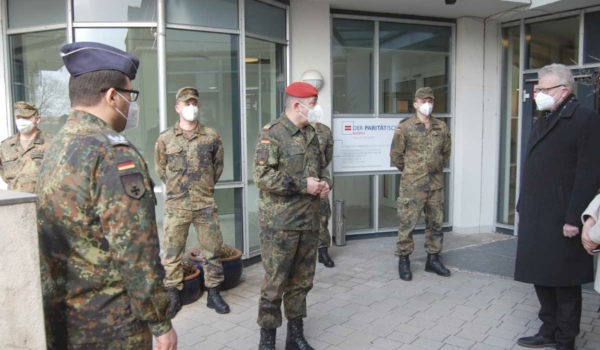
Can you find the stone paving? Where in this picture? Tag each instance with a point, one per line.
(362, 304)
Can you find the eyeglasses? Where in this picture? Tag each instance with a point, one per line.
(546, 90)
(134, 94)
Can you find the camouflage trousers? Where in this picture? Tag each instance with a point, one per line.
(289, 259)
(325, 215)
(177, 225)
(411, 203)
(140, 341)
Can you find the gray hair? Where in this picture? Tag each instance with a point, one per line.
(560, 71)
(289, 100)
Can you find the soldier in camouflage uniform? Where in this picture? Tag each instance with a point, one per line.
(98, 236)
(291, 175)
(21, 155)
(421, 146)
(326, 145)
(189, 160)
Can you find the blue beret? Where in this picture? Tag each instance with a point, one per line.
(87, 57)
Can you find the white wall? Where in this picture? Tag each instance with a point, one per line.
(310, 46)
(469, 126)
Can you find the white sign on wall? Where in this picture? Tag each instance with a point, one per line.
(363, 144)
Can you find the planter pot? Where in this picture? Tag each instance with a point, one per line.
(192, 288)
(232, 268)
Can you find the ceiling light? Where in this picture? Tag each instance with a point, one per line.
(212, 87)
(251, 60)
(450, 2)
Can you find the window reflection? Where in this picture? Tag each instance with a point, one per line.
(357, 193)
(555, 41)
(114, 10)
(39, 76)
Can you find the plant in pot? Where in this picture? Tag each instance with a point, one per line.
(230, 258)
(192, 284)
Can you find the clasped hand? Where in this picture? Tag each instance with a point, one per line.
(316, 187)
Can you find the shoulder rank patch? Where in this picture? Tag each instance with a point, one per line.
(133, 184)
(116, 139)
(126, 165)
(262, 155)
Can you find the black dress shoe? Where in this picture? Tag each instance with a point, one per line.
(324, 257)
(434, 264)
(537, 341)
(404, 268)
(216, 302)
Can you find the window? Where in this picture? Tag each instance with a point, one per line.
(592, 45)
(139, 42)
(265, 20)
(205, 13)
(114, 11)
(357, 193)
(46, 12)
(509, 129)
(352, 66)
(208, 62)
(39, 76)
(412, 56)
(555, 41)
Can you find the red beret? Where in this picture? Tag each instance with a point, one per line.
(302, 90)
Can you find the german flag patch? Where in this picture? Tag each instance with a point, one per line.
(265, 141)
(126, 165)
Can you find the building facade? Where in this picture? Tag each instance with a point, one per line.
(480, 57)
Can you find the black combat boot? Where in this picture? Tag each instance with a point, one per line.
(324, 257)
(434, 264)
(295, 336)
(216, 302)
(175, 306)
(404, 268)
(267, 339)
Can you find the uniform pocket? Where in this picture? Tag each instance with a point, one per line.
(293, 159)
(175, 159)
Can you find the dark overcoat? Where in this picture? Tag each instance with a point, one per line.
(561, 175)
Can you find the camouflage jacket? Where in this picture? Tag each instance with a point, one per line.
(190, 168)
(420, 153)
(20, 167)
(284, 158)
(98, 236)
(325, 145)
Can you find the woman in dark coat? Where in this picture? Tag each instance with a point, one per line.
(561, 176)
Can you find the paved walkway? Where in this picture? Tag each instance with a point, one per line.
(361, 304)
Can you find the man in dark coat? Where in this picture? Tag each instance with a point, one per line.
(560, 177)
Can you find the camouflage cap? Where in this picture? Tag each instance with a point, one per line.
(25, 109)
(424, 92)
(186, 93)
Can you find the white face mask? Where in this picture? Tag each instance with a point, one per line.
(24, 125)
(544, 101)
(133, 116)
(314, 114)
(190, 113)
(426, 108)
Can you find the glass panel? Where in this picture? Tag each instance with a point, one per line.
(229, 201)
(114, 10)
(509, 131)
(253, 226)
(555, 41)
(139, 42)
(352, 66)
(207, 13)
(357, 192)
(265, 19)
(209, 62)
(592, 45)
(39, 76)
(413, 56)
(265, 62)
(389, 190)
(20, 13)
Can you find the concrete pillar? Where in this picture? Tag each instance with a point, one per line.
(310, 46)
(468, 126)
(22, 321)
